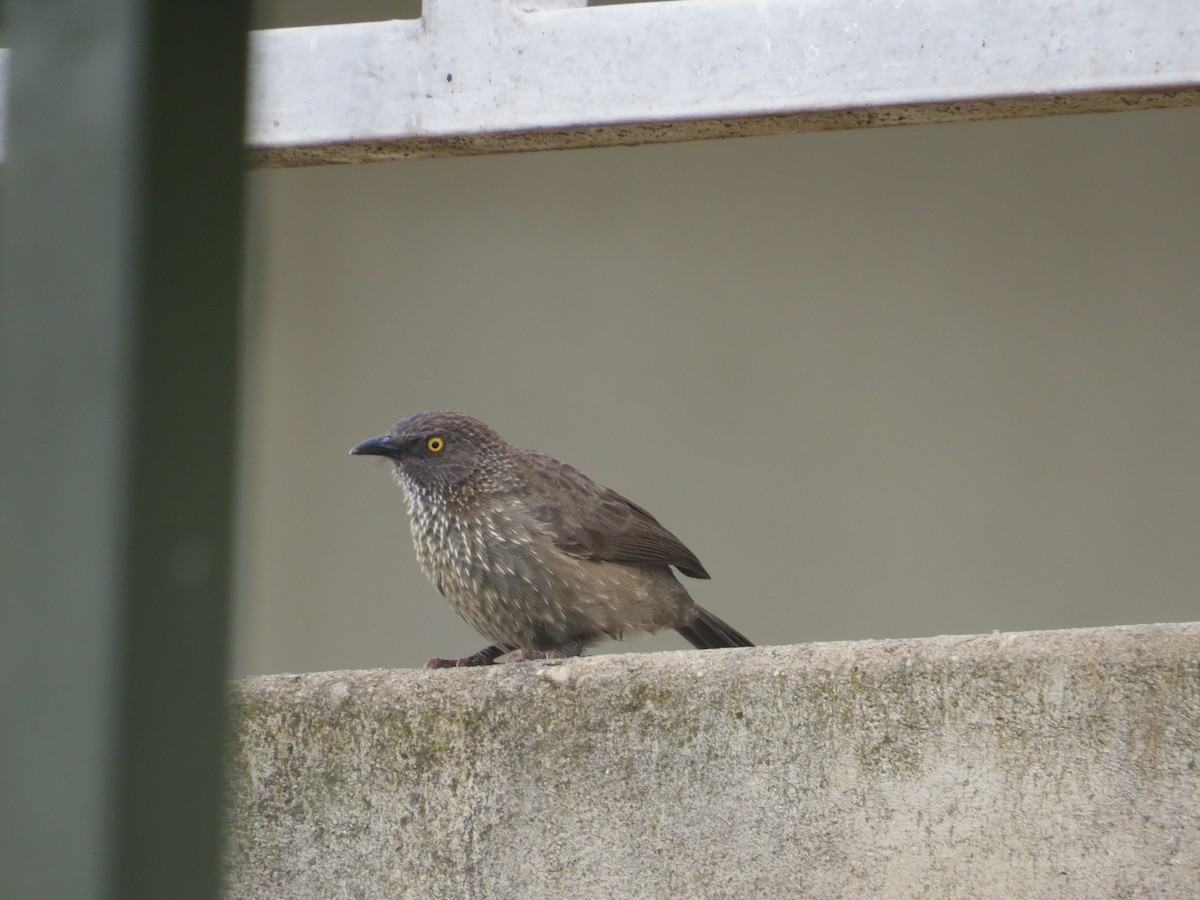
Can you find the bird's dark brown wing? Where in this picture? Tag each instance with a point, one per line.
(594, 522)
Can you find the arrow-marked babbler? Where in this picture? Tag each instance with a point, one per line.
(536, 556)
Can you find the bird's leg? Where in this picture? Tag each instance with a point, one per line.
(570, 648)
(484, 657)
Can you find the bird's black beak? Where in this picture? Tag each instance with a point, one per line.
(380, 446)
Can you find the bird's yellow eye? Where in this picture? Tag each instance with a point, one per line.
(435, 444)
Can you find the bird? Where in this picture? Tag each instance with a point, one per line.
(538, 558)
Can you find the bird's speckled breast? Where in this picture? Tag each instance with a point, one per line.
(448, 547)
(476, 562)
(505, 577)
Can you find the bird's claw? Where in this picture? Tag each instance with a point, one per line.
(440, 663)
(484, 657)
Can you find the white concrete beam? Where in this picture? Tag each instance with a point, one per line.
(481, 76)
(486, 76)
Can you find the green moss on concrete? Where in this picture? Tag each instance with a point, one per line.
(1019, 762)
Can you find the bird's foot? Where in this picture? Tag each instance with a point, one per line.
(570, 648)
(484, 657)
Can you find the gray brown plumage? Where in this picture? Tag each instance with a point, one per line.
(535, 555)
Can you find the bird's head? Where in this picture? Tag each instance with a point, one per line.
(435, 451)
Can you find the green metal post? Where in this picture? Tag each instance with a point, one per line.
(119, 261)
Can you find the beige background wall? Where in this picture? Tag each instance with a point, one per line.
(896, 382)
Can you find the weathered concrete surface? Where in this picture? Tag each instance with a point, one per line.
(1058, 764)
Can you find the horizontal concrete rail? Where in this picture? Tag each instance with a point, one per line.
(1058, 763)
(487, 76)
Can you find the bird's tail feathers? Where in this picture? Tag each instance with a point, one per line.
(708, 632)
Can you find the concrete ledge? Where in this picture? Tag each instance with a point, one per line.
(1058, 763)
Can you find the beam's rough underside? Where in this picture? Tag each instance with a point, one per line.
(632, 134)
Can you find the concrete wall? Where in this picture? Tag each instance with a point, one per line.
(1056, 764)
